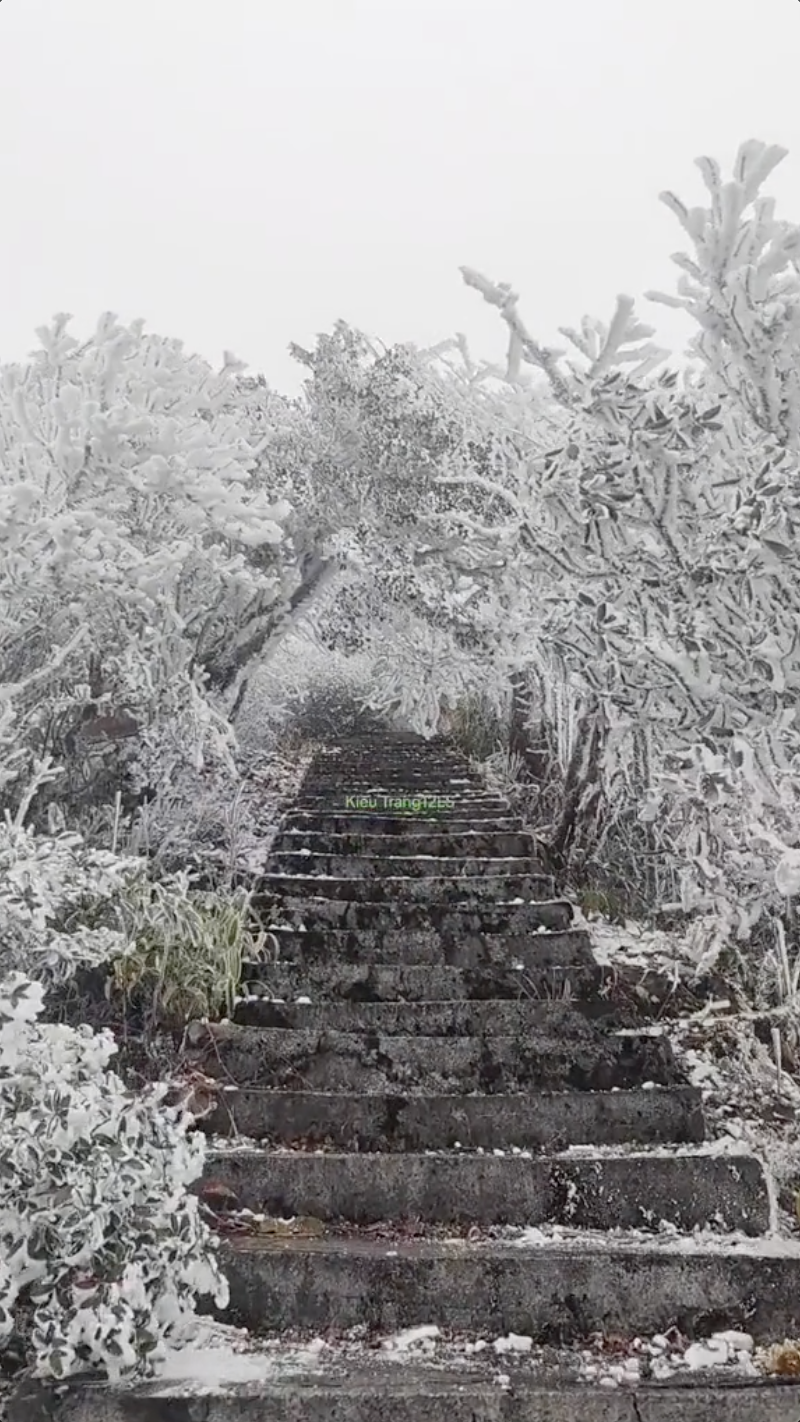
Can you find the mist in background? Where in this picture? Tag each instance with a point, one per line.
(242, 174)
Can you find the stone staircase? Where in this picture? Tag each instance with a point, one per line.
(429, 1081)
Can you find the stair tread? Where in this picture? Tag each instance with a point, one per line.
(452, 1387)
(395, 1119)
(589, 1244)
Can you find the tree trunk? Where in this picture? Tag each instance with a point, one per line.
(224, 664)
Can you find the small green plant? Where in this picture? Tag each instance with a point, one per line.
(598, 901)
(186, 948)
(477, 728)
(547, 989)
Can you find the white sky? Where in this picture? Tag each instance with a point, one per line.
(240, 173)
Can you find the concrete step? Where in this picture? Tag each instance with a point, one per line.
(493, 1017)
(392, 744)
(371, 766)
(393, 772)
(496, 845)
(550, 1121)
(601, 1192)
(449, 920)
(416, 817)
(363, 822)
(401, 890)
(421, 798)
(397, 775)
(441, 795)
(410, 981)
(293, 1385)
(536, 952)
(374, 770)
(388, 739)
(578, 1056)
(337, 804)
(386, 865)
(379, 759)
(378, 754)
(381, 754)
(548, 1293)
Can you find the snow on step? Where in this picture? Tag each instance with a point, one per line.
(722, 1192)
(625, 1286)
(392, 1122)
(424, 1373)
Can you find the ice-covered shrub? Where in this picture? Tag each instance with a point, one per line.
(325, 712)
(307, 693)
(45, 882)
(418, 671)
(103, 1253)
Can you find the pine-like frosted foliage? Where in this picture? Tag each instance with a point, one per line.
(131, 526)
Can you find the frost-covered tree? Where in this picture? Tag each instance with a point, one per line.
(742, 286)
(137, 557)
(650, 550)
(360, 455)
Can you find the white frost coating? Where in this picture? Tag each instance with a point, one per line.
(107, 1175)
(513, 1343)
(218, 1358)
(412, 1338)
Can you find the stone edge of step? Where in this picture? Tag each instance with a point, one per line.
(380, 1389)
(623, 1244)
(385, 1392)
(734, 1190)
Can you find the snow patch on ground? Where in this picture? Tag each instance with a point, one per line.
(220, 1358)
(666, 1240)
(723, 1145)
(423, 1337)
(749, 1097)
